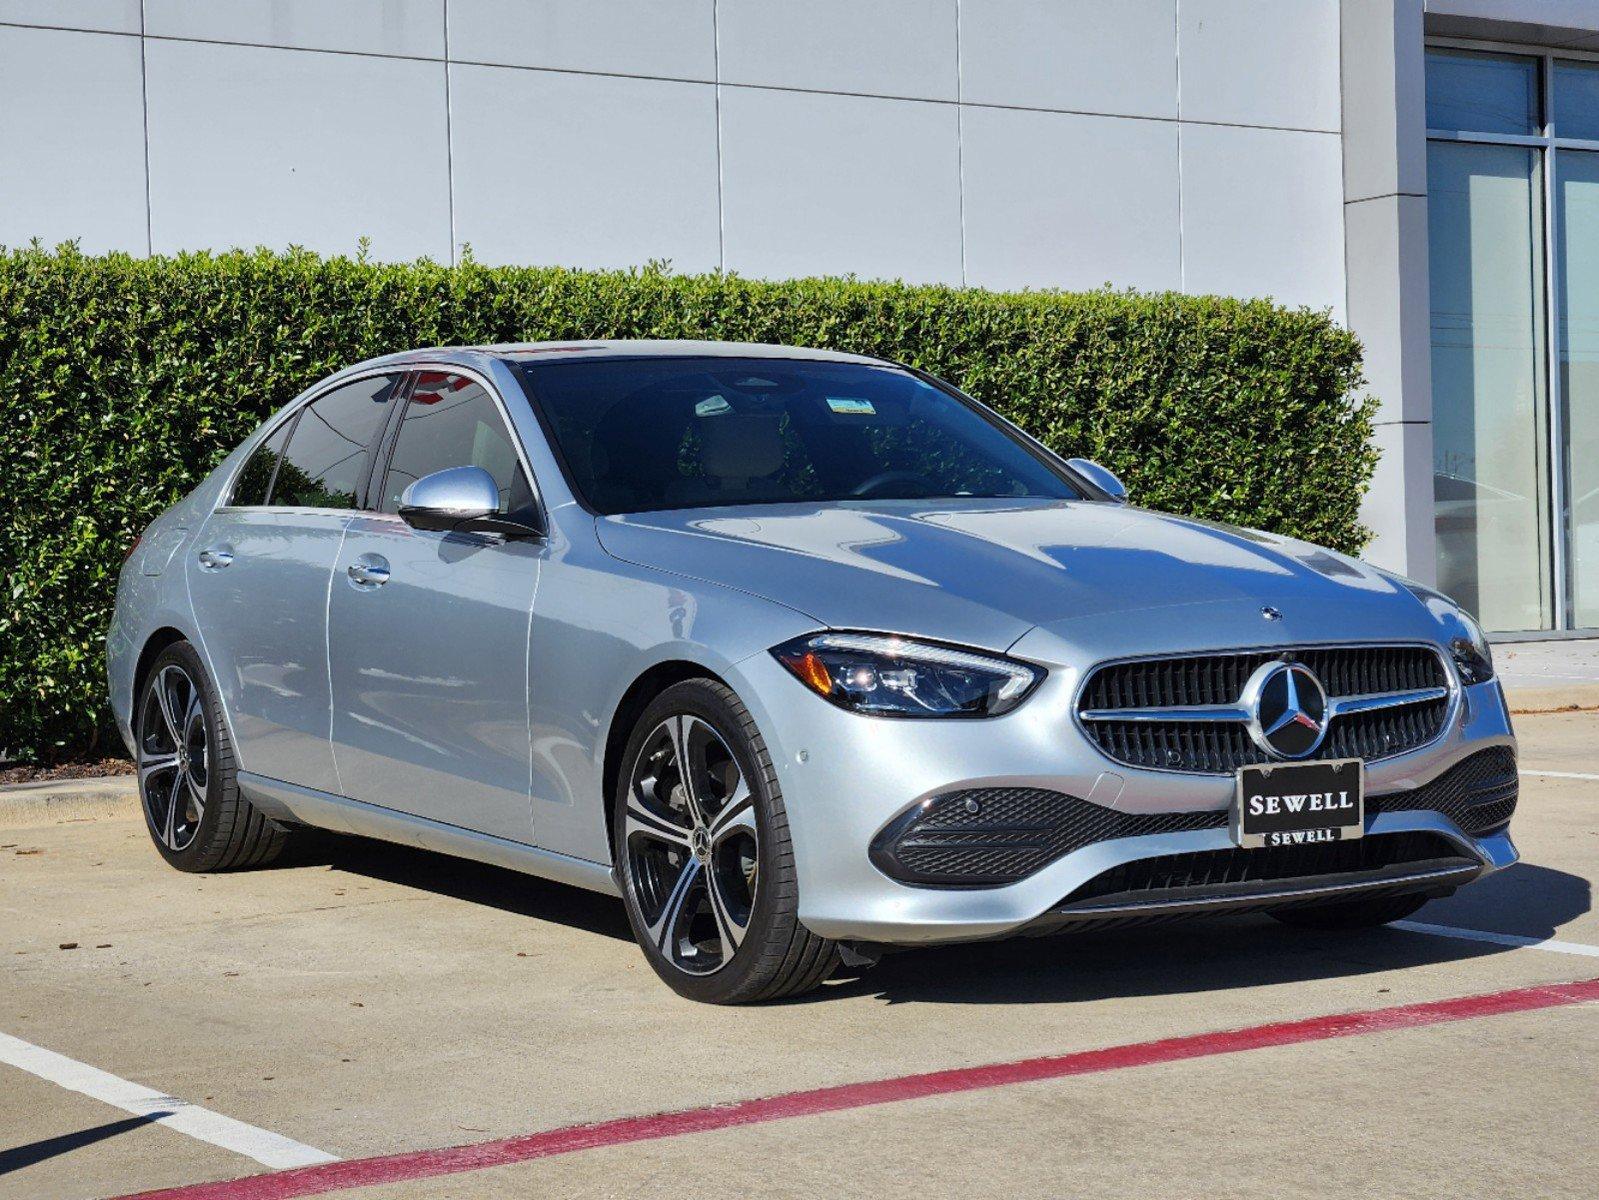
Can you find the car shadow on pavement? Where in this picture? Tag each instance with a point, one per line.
(1524, 899)
(461, 879)
(1180, 957)
(1215, 954)
(15, 1158)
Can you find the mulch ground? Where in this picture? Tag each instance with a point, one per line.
(87, 769)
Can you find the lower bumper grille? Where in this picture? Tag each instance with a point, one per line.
(986, 837)
(1478, 793)
(989, 837)
(1148, 879)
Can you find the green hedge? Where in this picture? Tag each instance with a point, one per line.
(123, 381)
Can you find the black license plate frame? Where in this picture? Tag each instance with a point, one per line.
(1299, 804)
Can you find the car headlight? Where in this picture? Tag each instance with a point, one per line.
(1471, 653)
(897, 677)
(1468, 646)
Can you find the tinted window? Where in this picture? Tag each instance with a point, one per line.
(1483, 93)
(327, 451)
(250, 488)
(1576, 106)
(452, 421)
(646, 434)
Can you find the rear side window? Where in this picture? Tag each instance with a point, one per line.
(452, 421)
(255, 481)
(326, 458)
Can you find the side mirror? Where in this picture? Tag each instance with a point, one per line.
(459, 500)
(1101, 477)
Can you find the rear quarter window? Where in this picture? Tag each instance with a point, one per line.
(253, 485)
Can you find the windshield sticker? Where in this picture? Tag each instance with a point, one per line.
(851, 406)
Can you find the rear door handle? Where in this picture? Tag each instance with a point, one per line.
(214, 558)
(369, 571)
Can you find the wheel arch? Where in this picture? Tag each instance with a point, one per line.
(158, 641)
(634, 701)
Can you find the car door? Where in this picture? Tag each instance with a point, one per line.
(428, 632)
(258, 579)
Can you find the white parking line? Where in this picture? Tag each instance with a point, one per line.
(1560, 774)
(268, 1149)
(1498, 939)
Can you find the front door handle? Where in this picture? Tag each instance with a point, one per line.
(214, 558)
(369, 571)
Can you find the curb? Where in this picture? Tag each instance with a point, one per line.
(51, 801)
(1528, 701)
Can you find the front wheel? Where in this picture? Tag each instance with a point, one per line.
(703, 854)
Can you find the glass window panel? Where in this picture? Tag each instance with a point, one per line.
(250, 487)
(327, 451)
(754, 431)
(1577, 203)
(1482, 93)
(452, 421)
(1491, 503)
(1576, 103)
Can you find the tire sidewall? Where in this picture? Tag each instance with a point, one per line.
(218, 771)
(701, 699)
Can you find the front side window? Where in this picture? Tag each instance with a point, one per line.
(452, 421)
(647, 434)
(326, 458)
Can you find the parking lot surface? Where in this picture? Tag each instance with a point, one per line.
(362, 1000)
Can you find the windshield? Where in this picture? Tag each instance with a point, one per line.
(642, 434)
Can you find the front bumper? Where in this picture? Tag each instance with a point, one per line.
(844, 777)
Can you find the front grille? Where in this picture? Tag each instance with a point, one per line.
(1146, 879)
(1016, 831)
(1221, 747)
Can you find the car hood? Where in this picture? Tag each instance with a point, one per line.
(984, 572)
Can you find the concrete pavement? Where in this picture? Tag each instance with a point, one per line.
(365, 999)
(1541, 676)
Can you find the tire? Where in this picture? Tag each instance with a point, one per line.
(1351, 914)
(722, 856)
(188, 779)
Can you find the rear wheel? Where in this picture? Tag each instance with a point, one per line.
(1350, 914)
(187, 776)
(703, 854)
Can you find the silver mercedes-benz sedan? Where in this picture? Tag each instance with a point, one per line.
(802, 654)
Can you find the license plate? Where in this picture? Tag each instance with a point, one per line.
(1300, 804)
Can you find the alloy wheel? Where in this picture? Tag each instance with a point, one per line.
(691, 845)
(174, 758)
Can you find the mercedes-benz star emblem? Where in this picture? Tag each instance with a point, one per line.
(1288, 709)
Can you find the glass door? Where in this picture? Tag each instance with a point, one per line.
(1578, 209)
(1513, 217)
(1490, 399)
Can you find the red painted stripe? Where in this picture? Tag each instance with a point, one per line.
(394, 1168)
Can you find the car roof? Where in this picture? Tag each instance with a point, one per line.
(538, 352)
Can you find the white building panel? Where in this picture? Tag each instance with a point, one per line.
(1066, 201)
(584, 170)
(818, 184)
(885, 48)
(1071, 55)
(71, 140)
(281, 147)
